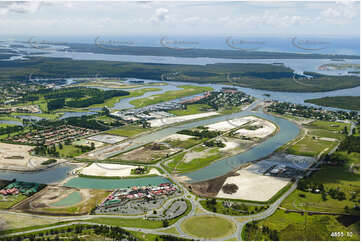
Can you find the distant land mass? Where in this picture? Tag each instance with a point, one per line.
(193, 53)
(252, 75)
(345, 102)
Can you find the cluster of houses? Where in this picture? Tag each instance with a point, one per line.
(227, 96)
(24, 188)
(52, 135)
(131, 116)
(285, 108)
(120, 196)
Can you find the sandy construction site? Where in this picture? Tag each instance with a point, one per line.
(171, 120)
(107, 138)
(112, 170)
(253, 187)
(231, 124)
(17, 157)
(263, 129)
(181, 137)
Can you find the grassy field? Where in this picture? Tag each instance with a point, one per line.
(191, 109)
(314, 142)
(9, 201)
(243, 210)
(331, 177)
(294, 226)
(128, 131)
(15, 221)
(68, 151)
(184, 143)
(187, 90)
(196, 163)
(208, 227)
(345, 102)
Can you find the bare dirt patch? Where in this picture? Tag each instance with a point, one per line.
(41, 203)
(254, 187)
(111, 170)
(17, 157)
(148, 153)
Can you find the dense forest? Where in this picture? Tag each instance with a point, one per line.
(76, 97)
(192, 52)
(260, 76)
(345, 102)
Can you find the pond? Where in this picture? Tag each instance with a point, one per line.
(71, 199)
(47, 176)
(12, 122)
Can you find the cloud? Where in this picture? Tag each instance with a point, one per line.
(26, 7)
(160, 15)
(344, 9)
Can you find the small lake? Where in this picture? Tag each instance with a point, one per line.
(12, 122)
(48, 176)
(101, 183)
(30, 117)
(75, 114)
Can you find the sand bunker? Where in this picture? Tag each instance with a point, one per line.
(111, 170)
(253, 186)
(178, 119)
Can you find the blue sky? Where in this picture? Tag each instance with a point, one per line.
(341, 19)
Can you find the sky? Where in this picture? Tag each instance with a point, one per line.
(339, 19)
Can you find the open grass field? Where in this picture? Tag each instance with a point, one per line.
(294, 226)
(332, 177)
(128, 131)
(68, 151)
(187, 90)
(321, 136)
(193, 159)
(15, 221)
(191, 109)
(208, 227)
(11, 200)
(183, 143)
(237, 211)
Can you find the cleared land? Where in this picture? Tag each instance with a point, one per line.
(187, 90)
(253, 187)
(178, 119)
(148, 153)
(258, 129)
(107, 138)
(17, 157)
(128, 131)
(61, 200)
(111, 170)
(231, 124)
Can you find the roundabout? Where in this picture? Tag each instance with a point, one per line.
(208, 227)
